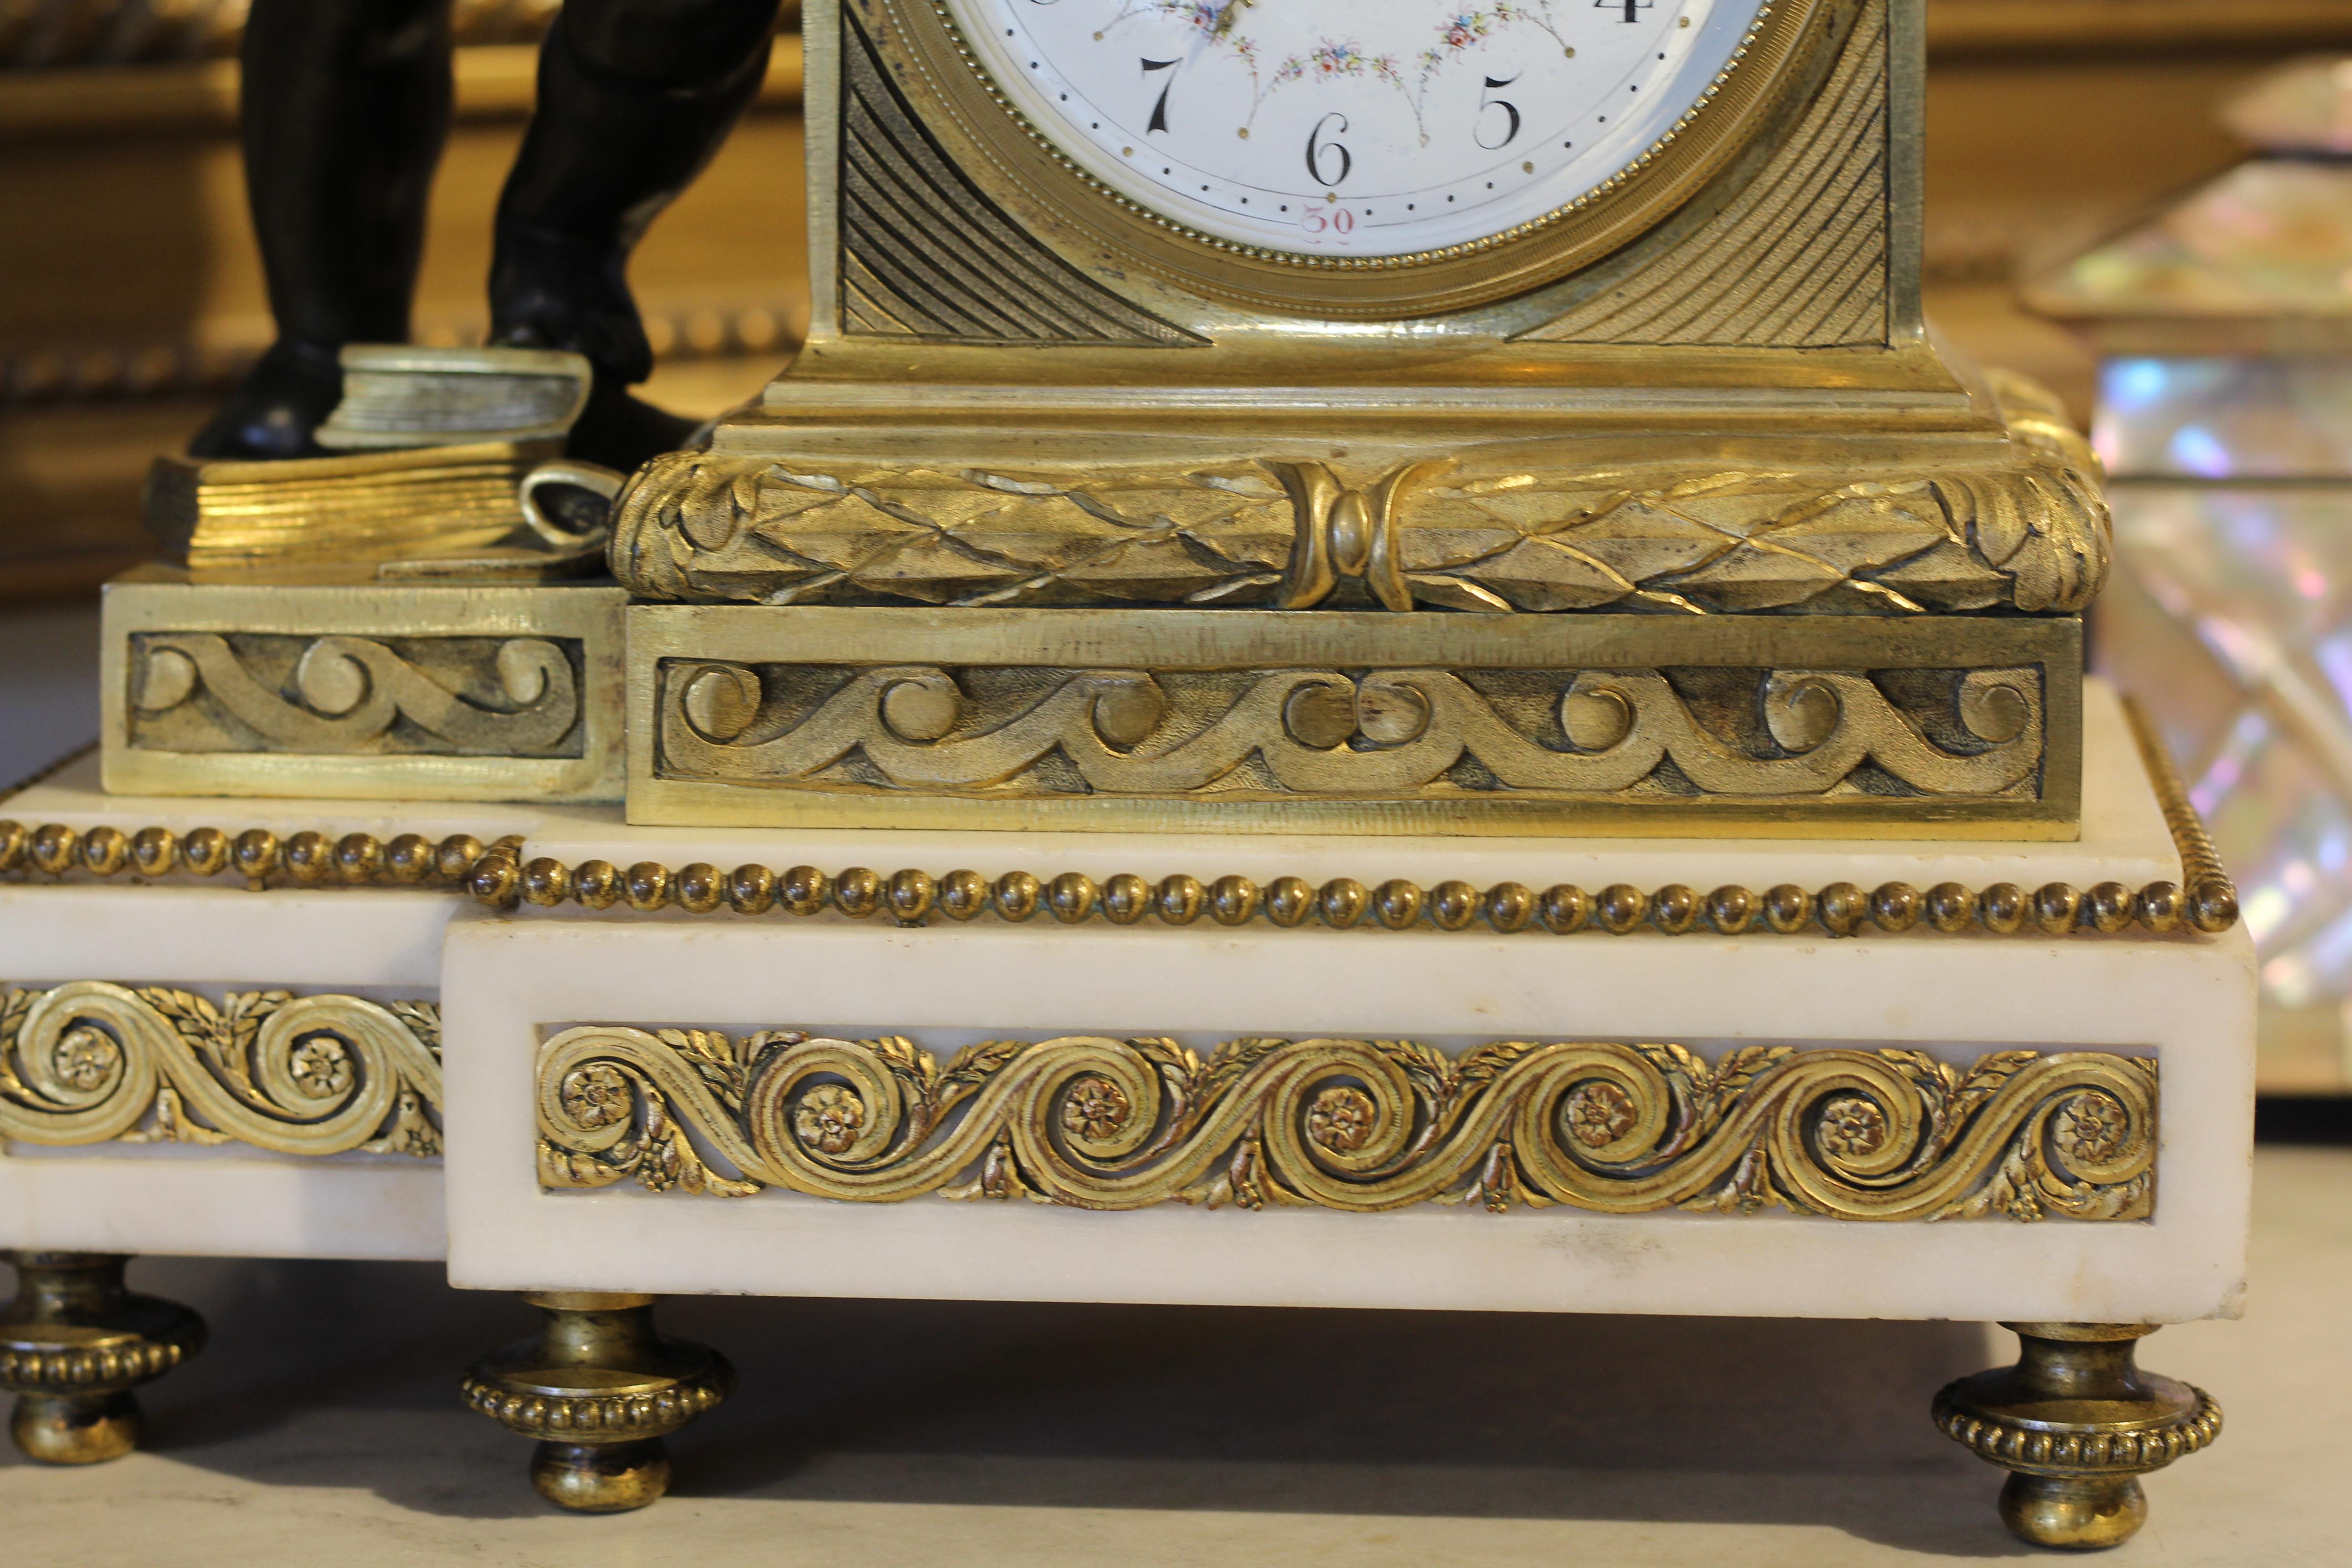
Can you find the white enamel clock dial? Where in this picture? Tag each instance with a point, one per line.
(1376, 128)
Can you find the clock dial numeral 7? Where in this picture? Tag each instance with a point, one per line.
(1167, 85)
(1393, 129)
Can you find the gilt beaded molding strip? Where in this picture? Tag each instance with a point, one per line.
(502, 875)
(2032, 1448)
(628, 1417)
(2209, 903)
(1357, 1125)
(77, 1368)
(258, 854)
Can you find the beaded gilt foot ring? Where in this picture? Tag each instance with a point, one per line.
(72, 1346)
(2076, 1423)
(599, 1389)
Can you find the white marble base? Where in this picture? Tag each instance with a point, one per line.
(507, 982)
(510, 982)
(210, 936)
(223, 1205)
(927, 1435)
(74, 795)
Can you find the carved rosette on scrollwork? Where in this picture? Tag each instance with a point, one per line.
(2031, 534)
(92, 1062)
(1356, 1125)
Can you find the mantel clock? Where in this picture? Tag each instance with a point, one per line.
(1398, 417)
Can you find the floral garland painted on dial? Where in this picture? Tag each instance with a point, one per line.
(1455, 34)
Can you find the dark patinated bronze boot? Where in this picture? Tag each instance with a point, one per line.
(635, 98)
(345, 105)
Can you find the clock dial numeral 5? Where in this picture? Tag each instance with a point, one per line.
(1432, 122)
(1488, 104)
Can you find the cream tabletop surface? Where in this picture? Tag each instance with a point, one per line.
(322, 1428)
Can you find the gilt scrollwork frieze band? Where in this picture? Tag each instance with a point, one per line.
(92, 1062)
(1357, 1125)
(503, 697)
(1397, 734)
(506, 876)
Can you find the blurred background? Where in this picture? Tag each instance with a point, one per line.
(134, 294)
(2091, 167)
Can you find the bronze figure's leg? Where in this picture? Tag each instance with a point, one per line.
(635, 98)
(74, 1344)
(600, 1390)
(2076, 1423)
(345, 107)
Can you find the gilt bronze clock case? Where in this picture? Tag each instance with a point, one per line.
(1658, 512)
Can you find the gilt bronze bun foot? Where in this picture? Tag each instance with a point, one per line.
(600, 1390)
(2076, 1423)
(74, 1344)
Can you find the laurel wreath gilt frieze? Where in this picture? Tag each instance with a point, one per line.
(1357, 1125)
(92, 1062)
(696, 528)
(1440, 531)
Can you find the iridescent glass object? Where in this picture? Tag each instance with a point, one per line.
(2225, 421)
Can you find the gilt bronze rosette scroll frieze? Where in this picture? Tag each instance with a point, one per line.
(93, 1062)
(1357, 1125)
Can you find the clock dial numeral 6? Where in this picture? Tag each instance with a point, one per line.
(1387, 127)
(1329, 162)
